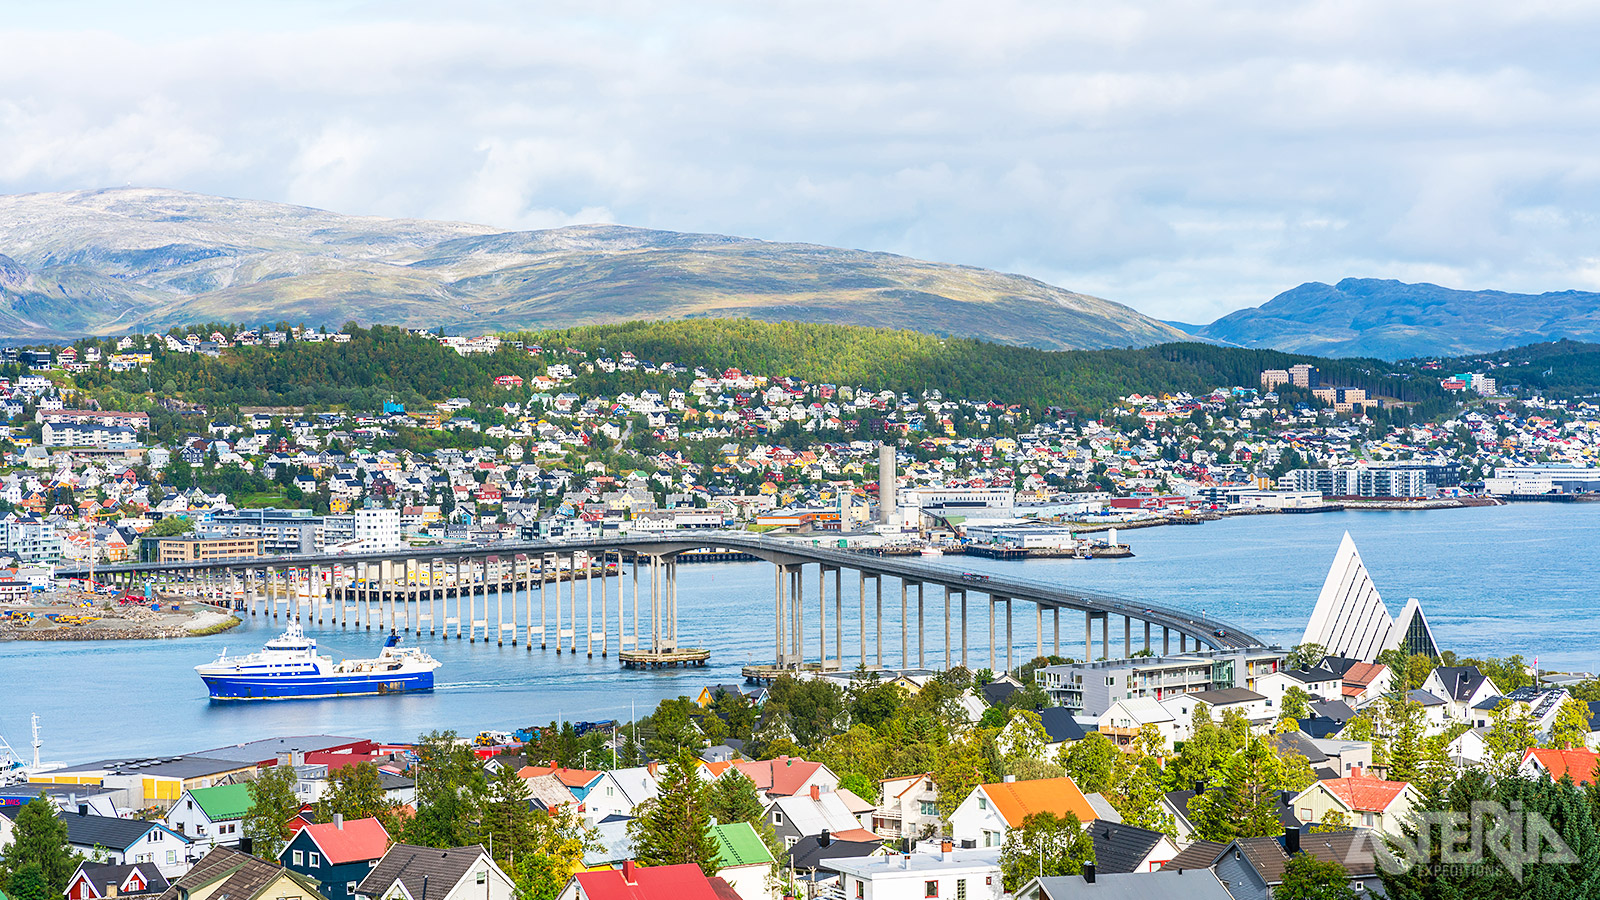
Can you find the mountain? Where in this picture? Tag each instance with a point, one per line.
(1394, 320)
(101, 262)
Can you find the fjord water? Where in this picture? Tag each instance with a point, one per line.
(1493, 581)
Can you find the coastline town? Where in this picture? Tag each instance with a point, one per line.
(160, 479)
(1234, 772)
(1221, 773)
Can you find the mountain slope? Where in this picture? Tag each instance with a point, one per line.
(107, 261)
(1394, 320)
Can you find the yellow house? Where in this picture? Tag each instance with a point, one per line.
(1360, 799)
(152, 782)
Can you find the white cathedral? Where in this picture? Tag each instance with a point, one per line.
(1350, 619)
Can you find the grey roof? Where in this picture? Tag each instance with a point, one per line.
(1459, 681)
(165, 766)
(808, 852)
(1333, 709)
(1060, 725)
(256, 751)
(1424, 698)
(1102, 807)
(1319, 672)
(997, 691)
(615, 844)
(408, 864)
(1160, 885)
(1299, 743)
(1198, 855)
(1594, 715)
(1227, 695)
(241, 876)
(89, 830)
(102, 874)
(1121, 848)
(1351, 849)
(1321, 726)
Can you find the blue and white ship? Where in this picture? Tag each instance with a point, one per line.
(289, 667)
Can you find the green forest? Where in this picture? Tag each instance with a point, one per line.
(388, 364)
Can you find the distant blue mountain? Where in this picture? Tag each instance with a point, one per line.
(1394, 320)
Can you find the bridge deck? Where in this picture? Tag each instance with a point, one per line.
(779, 550)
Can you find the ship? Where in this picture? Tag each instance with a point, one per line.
(289, 667)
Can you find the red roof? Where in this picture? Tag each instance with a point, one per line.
(1577, 763)
(681, 882)
(572, 778)
(781, 777)
(356, 841)
(1364, 794)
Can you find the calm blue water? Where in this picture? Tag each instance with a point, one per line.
(1493, 581)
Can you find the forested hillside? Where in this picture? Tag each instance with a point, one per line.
(390, 364)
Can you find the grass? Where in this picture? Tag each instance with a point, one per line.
(220, 627)
(261, 499)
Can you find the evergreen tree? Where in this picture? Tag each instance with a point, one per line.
(39, 838)
(272, 805)
(508, 821)
(733, 798)
(675, 826)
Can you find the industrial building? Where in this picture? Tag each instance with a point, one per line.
(1533, 480)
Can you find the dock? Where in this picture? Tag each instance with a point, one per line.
(664, 659)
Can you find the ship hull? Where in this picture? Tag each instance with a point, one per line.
(295, 687)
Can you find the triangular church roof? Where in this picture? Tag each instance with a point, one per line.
(1351, 620)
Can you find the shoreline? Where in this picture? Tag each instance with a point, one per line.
(123, 624)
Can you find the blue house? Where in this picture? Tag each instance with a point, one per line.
(337, 854)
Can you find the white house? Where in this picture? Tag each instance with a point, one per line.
(211, 815)
(1461, 688)
(907, 806)
(990, 812)
(1122, 720)
(949, 874)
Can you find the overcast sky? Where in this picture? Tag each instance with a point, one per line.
(1186, 158)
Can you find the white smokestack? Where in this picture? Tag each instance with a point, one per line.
(886, 498)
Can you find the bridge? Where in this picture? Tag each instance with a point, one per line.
(407, 589)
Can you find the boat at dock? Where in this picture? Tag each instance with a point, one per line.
(289, 667)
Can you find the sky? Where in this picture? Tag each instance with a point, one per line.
(1186, 158)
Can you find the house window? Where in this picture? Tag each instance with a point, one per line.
(298, 858)
(929, 808)
(961, 889)
(172, 857)
(930, 889)
(777, 817)
(861, 889)
(316, 860)
(483, 876)
(983, 802)
(350, 888)
(1366, 819)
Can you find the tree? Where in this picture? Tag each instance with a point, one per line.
(39, 839)
(450, 792)
(733, 798)
(1510, 733)
(1092, 763)
(356, 792)
(272, 805)
(1296, 704)
(671, 730)
(507, 817)
(1045, 845)
(29, 884)
(1571, 726)
(1309, 878)
(674, 827)
(1304, 656)
(1246, 803)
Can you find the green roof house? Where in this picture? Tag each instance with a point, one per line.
(743, 860)
(211, 816)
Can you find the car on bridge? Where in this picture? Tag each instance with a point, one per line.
(973, 576)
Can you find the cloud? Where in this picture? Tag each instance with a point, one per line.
(1187, 158)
